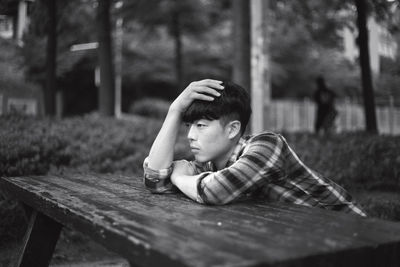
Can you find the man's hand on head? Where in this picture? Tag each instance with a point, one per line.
(205, 90)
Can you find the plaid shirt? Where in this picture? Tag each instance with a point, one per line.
(265, 166)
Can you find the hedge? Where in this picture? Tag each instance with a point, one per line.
(357, 160)
(30, 146)
(90, 143)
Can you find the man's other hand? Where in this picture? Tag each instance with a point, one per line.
(182, 167)
(183, 176)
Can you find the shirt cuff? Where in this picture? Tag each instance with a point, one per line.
(158, 181)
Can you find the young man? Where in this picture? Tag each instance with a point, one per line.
(228, 166)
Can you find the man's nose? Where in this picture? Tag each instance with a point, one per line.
(191, 135)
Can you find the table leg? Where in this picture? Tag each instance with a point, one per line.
(40, 241)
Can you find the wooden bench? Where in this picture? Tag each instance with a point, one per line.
(171, 230)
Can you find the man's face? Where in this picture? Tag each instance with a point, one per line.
(208, 140)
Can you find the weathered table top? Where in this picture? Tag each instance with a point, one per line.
(171, 230)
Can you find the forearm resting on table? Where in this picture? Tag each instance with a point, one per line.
(187, 184)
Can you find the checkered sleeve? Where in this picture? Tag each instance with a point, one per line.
(260, 164)
(158, 181)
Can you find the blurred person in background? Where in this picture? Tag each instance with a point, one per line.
(326, 112)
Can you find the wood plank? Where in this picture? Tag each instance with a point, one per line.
(172, 230)
(40, 241)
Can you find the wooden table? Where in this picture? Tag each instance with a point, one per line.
(171, 230)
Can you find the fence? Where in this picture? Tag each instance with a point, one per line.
(299, 116)
(21, 100)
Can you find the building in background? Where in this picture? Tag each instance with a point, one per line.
(15, 20)
(381, 44)
(6, 27)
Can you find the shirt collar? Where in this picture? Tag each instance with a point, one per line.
(237, 151)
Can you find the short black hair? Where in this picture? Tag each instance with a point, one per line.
(232, 104)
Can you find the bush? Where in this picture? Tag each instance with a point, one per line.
(38, 146)
(150, 107)
(356, 160)
(383, 205)
(26, 147)
(12, 221)
(30, 146)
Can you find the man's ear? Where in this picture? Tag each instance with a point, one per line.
(233, 128)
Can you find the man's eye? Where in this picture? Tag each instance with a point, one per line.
(200, 125)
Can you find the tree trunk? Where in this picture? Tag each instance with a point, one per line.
(107, 75)
(118, 65)
(368, 91)
(241, 62)
(176, 31)
(51, 58)
(260, 72)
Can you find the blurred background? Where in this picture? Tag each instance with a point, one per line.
(54, 53)
(85, 85)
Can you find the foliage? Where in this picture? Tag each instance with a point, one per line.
(150, 107)
(39, 146)
(384, 205)
(8, 7)
(71, 16)
(13, 219)
(92, 143)
(355, 160)
(149, 58)
(320, 20)
(195, 17)
(294, 70)
(11, 73)
(313, 29)
(152, 30)
(149, 55)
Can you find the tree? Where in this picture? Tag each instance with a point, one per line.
(73, 25)
(368, 91)
(181, 18)
(242, 43)
(321, 21)
(51, 58)
(305, 43)
(381, 9)
(44, 33)
(49, 31)
(107, 75)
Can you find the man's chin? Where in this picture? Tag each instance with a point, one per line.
(201, 159)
